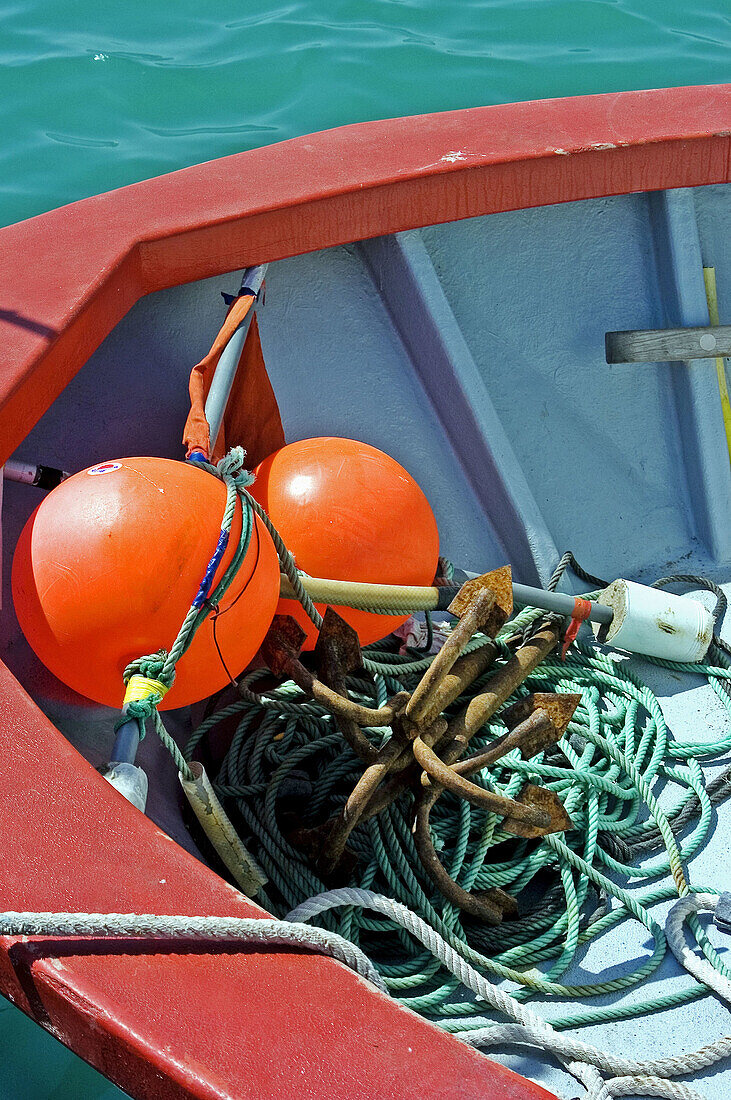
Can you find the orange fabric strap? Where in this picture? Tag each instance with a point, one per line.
(196, 433)
(252, 418)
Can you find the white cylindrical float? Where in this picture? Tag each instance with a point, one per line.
(654, 622)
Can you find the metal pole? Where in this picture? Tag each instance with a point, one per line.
(525, 596)
(223, 379)
(417, 598)
(126, 742)
(43, 477)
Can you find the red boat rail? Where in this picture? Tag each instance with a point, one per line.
(67, 277)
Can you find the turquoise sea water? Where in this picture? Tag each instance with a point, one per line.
(94, 96)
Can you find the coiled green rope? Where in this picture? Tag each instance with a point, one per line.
(287, 756)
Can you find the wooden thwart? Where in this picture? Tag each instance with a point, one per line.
(668, 345)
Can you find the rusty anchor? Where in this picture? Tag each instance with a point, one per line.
(338, 654)
(540, 813)
(533, 724)
(485, 603)
(425, 750)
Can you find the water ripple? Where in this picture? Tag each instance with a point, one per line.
(89, 143)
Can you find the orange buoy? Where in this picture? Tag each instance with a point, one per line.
(348, 512)
(107, 566)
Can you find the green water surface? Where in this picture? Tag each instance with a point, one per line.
(96, 95)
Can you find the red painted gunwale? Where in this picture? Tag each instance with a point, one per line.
(251, 1024)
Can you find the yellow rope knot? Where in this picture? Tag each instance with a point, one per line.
(140, 688)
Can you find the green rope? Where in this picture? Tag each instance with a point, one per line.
(287, 756)
(160, 666)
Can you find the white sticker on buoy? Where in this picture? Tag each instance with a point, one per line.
(105, 468)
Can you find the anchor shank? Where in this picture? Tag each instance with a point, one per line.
(500, 687)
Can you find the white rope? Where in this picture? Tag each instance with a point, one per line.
(630, 1077)
(251, 930)
(511, 1034)
(700, 968)
(652, 1086)
(628, 1074)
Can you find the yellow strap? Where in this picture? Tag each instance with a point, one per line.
(139, 688)
(709, 278)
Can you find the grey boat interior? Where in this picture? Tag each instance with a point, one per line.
(474, 354)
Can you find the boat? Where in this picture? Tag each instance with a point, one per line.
(439, 287)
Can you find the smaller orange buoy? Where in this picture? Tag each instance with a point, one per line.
(348, 512)
(107, 566)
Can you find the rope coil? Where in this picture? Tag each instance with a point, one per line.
(615, 753)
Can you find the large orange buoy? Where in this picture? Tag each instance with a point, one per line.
(348, 512)
(107, 566)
